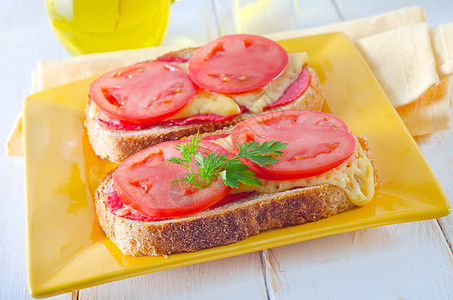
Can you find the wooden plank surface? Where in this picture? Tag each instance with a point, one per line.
(25, 38)
(405, 261)
(400, 261)
(239, 277)
(438, 151)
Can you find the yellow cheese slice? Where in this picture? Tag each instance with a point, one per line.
(208, 103)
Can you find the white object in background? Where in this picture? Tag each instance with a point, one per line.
(259, 16)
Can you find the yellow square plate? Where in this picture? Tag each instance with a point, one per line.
(66, 248)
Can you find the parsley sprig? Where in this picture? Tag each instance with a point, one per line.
(231, 170)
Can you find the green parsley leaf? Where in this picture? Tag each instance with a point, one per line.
(261, 154)
(231, 170)
(237, 172)
(209, 166)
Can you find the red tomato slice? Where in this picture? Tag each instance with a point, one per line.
(143, 181)
(317, 142)
(143, 93)
(237, 63)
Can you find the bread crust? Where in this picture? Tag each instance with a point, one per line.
(117, 145)
(223, 225)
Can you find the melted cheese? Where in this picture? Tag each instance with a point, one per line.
(354, 176)
(226, 143)
(208, 103)
(256, 101)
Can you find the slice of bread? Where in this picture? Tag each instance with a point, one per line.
(223, 225)
(117, 145)
(220, 226)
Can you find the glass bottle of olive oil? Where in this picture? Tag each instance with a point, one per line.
(91, 26)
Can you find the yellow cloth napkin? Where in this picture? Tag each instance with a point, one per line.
(403, 61)
(56, 72)
(413, 64)
(358, 28)
(407, 58)
(442, 38)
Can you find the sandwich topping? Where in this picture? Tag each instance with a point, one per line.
(145, 182)
(233, 74)
(237, 63)
(317, 141)
(176, 179)
(145, 93)
(355, 176)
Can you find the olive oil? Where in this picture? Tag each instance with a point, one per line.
(87, 26)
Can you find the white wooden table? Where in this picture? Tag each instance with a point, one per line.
(407, 261)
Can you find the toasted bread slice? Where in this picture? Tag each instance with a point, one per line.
(220, 226)
(226, 224)
(117, 145)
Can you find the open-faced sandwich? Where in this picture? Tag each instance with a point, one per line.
(270, 171)
(196, 90)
